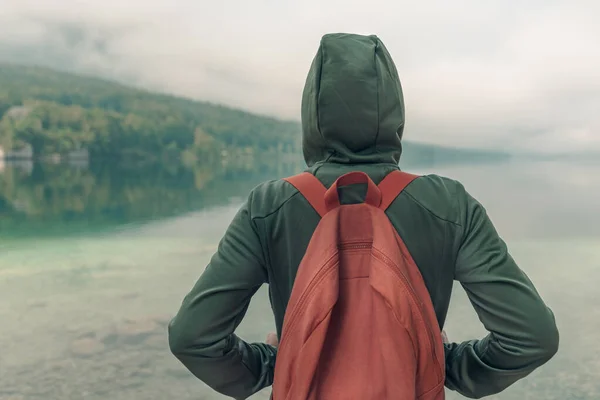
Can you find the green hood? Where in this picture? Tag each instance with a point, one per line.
(352, 105)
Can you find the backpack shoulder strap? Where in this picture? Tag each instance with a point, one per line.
(392, 185)
(312, 189)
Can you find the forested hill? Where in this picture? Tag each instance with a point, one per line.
(54, 113)
(57, 113)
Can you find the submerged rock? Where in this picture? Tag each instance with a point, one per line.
(86, 346)
(147, 331)
(136, 331)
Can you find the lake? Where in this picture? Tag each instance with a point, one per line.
(95, 259)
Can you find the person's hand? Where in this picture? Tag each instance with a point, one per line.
(445, 337)
(272, 339)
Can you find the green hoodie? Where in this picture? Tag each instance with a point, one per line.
(353, 119)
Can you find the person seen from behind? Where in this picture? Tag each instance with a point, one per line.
(353, 119)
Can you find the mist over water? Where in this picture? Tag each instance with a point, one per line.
(95, 259)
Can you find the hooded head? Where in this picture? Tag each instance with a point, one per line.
(352, 105)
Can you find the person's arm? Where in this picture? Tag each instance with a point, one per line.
(522, 330)
(202, 336)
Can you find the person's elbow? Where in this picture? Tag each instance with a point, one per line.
(544, 340)
(179, 342)
(548, 341)
(185, 342)
(192, 342)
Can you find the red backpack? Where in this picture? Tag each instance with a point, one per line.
(360, 323)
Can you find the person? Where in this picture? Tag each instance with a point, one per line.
(353, 120)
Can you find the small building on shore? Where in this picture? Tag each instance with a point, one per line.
(18, 112)
(26, 152)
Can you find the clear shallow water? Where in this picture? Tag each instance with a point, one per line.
(94, 261)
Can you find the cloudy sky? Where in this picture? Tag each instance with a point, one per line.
(475, 73)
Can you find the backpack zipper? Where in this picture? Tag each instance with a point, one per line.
(326, 268)
(414, 297)
(354, 246)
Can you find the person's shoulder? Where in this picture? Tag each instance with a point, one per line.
(438, 184)
(440, 195)
(269, 196)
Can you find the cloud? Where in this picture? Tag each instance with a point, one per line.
(494, 74)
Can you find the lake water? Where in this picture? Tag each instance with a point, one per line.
(94, 260)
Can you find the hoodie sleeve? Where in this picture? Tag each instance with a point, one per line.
(522, 330)
(201, 335)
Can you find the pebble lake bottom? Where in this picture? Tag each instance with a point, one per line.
(84, 316)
